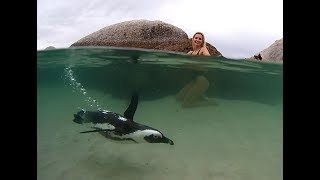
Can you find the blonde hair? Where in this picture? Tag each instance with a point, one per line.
(203, 44)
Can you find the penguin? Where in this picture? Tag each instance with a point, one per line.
(117, 127)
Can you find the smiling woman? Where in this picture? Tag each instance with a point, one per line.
(199, 45)
(192, 94)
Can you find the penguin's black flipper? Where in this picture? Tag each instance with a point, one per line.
(129, 113)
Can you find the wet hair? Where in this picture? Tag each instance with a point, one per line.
(203, 44)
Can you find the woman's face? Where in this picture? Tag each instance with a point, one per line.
(198, 39)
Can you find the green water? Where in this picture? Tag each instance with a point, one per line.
(238, 138)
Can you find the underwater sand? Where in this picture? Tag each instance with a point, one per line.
(234, 140)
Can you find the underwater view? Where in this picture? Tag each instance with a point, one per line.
(237, 136)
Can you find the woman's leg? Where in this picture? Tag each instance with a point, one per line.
(194, 94)
(184, 90)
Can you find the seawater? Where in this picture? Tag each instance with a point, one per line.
(240, 137)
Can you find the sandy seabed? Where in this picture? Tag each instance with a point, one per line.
(234, 140)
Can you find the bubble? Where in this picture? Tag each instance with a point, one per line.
(77, 87)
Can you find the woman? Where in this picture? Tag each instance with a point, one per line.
(193, 93)
(199, 45)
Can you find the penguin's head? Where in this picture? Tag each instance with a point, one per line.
(79, 117)
(155, 136)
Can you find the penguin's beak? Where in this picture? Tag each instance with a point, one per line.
(168, 141)
(171, 142)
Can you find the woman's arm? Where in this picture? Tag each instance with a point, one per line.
(205, 51)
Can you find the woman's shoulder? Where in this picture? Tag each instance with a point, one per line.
(205, 51)
(204, 48)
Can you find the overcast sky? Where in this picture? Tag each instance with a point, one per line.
(237, 28)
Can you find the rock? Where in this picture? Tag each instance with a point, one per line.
(273, 53)
(142, 34)
(49, 47)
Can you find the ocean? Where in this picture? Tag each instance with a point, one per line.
(239, 137)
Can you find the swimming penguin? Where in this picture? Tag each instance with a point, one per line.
(116, 127)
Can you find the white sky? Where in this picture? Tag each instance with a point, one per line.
(237, 28)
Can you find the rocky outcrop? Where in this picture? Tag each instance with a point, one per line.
(142, 34)
(273, 53)
(49, 47)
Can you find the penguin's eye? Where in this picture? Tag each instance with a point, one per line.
(155, 136)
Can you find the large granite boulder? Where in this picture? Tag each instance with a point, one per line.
(49, 47)
(273, 53)
(142, 34)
